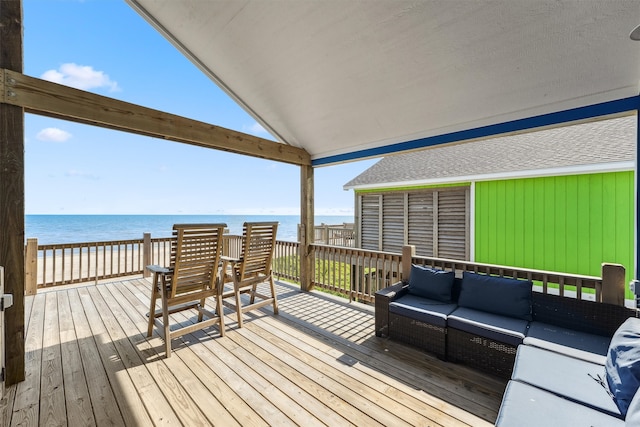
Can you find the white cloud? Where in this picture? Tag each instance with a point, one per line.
(80, 77)
(53, 135)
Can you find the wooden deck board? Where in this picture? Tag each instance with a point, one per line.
(26, 405)
(317, 363)
(78, 400)
(101, 373)
(52, 402)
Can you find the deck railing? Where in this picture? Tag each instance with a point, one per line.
(358, 274)
(70, 263)
(354, 273)
(62, 264)
(334, 234)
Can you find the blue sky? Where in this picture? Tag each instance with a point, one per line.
(103, 46)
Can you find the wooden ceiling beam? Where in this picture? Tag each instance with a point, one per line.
(45, 98)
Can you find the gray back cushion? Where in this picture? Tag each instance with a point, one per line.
(431, 283)
(498, 295)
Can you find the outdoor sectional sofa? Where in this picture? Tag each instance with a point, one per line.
(557, 352)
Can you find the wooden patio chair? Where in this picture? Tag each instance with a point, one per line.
(192, 277)
(252, 268)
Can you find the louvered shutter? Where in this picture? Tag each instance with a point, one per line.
(452, 224)
(435, 221)
(393, 222)
(420, 233)
(370, 221)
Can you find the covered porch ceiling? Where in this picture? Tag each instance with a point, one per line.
(346, 80)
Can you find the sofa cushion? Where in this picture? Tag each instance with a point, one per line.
(423, 309)
(498, 295)
(574, 379)
(623, 363)
(526, 406)
(493, 326)
(581, 345)
(431, 283)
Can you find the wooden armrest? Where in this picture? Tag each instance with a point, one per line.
(159, 270)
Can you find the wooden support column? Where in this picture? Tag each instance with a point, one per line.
(306, 228)
(12, 192)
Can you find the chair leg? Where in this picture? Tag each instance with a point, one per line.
(238, 306)
(253, 293)
(203, 301)
(152, 305)
(220, 312)
(273, 295)
(165, 324)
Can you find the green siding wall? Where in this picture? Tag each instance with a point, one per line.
(563, 223)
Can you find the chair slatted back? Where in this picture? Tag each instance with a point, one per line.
(195, 257)
(258, 243)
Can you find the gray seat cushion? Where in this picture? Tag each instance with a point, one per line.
(573, 379)
(526, 406)
(508, 330)
(581, 345)
(422, 309)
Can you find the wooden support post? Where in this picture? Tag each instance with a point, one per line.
(613, 284)
(306, 228)
(12, 192)
(146, 254)
(408, 252)
(31, 267)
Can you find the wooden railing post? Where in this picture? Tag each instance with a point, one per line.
(31, 267)
(613, 284)
(408, 252)
(146, 253)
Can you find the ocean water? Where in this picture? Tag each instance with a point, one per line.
(53, 229)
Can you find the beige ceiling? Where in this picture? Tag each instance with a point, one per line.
(343, 78)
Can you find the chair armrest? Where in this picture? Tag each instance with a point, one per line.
(159, 270)
(383, 298)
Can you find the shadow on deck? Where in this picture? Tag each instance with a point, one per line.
(317, 363)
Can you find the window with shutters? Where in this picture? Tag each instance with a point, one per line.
(434, 220)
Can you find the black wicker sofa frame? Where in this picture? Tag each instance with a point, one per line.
(485, 351)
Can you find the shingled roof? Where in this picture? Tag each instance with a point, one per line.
(596, 146)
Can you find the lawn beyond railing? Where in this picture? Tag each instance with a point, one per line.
(353, 273)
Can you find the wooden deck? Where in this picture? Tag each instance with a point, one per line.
(318, 362)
